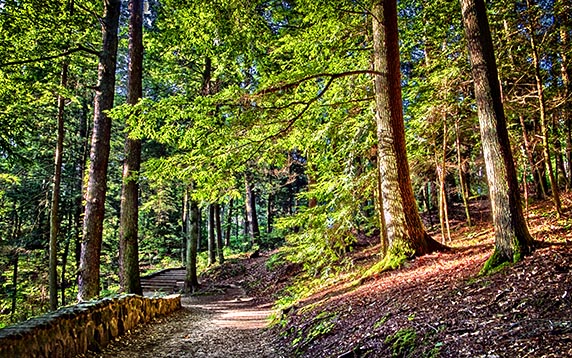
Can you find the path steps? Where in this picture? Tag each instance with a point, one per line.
(165, 281)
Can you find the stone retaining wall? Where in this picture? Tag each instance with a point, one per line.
(91, 325)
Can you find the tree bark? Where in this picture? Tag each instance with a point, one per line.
(88, 282)
(251, 216)
(565, 23)
(65, 258)
(512, 239)
(15, 260)
(543, 120)
(219, 239)
(405, 232)
(185, 226)
(462, 185)
(129, 217)
(54, 212)
(192, 229)
(441, 174)
(228, 224)
(79, 185)
(211, 235)
(270, 213)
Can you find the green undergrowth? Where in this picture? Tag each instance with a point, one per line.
(402, 343)
(395, 258)
(407, 342)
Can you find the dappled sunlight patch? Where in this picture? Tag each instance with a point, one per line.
(438, 305)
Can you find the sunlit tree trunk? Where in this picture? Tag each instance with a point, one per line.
(441, 174)
(462, 184)
(560, 171)
(251, 216)
(512, 239)
(129, 218)
(405, 232)
(81, 163)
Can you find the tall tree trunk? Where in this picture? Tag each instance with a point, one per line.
(539, 188)
(65, 257)
(313, 201)
(15, 260)
(441, 174)
(565, 23)
(199, 231)
(251, 216)
(185, 225)
(54, 214)
(192, 229)
(543, 121)
(379, 206)
(129, 218)
(228, 223)
(560, 171)
(88, 285)
(462, 185)
(512, 239)
(405, 232)
(79, 189)
(270, 213)
(219, 239)
(211, 236)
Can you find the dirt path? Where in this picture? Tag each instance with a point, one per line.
(228, 324)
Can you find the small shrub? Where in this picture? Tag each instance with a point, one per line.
(275, 261)
(402, 342)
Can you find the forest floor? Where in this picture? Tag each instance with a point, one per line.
(434, 306)
(221, 322)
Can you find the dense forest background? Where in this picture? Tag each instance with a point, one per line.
(257, 126)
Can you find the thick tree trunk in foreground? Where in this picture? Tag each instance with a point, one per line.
(129, 218)
(88, 282)
(512, 239)
(405, 232)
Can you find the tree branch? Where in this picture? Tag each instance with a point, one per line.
(332, 76)
(293, 120)
(46, 58)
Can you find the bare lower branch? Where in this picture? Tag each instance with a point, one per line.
(47, 58)
(291, 85)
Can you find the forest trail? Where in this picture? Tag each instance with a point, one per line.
(225, 323)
